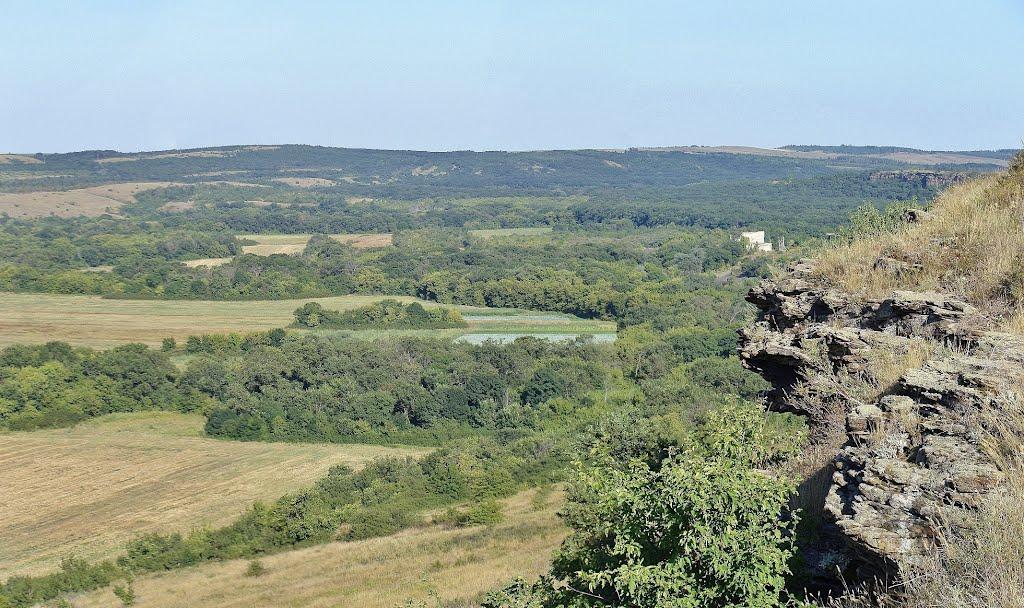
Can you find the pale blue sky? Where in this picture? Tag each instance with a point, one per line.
(441, 75)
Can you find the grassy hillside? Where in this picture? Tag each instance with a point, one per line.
(98, 322)
(88, 489)
(968, 244)
(455, 566)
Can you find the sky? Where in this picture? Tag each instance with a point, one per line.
(516, 75)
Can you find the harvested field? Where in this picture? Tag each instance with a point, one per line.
(92, 201)
(103, 323)
(207, 262)
(291, 244)
(90, 488)
(502, 232)
(442, 566)
(305, 182)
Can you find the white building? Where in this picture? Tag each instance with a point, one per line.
(756, 240)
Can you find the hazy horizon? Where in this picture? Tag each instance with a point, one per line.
(458, 75)
(525, 150)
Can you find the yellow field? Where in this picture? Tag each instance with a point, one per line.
(90, 488)
(305, 182)
(500, 232)
(6, 159)
(92, 201)
(101, 323)
(208, 262)
(291, 244)
(94, 321)
(455, 566)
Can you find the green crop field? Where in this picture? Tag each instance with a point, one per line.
(98, 322)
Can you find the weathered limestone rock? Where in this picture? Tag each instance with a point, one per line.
(903, 452)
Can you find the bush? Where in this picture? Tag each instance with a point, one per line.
(125, 593)
(700, 528)
(255, 568)
(483, 513)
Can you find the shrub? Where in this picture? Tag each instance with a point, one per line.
(125, 593)
(255, 568)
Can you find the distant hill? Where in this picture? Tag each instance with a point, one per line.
(550, 169)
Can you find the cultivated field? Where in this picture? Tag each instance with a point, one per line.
(305, 182)
(88, 489)
(289, 244)
(499, 232)
(102, 323)
(92, 201)
(441, 566)
(207, 262)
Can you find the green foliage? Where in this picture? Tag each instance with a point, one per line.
(385, 314)
(255, 569)
(74, 575)
(699, 528)
(54, 385)
(125, 593)
(168, 344)
(485, 512)
(869, 220)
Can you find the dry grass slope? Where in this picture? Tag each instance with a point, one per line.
(453, 566)
(90, 488)
(971, 244)
(92, 201)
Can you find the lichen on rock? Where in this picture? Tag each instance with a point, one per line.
(899, 390)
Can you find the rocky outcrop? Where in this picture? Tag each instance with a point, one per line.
(899, 389)
(926, 179)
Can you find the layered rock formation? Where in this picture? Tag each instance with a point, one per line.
(900, 389)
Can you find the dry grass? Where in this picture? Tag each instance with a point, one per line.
(980, 563)
(92, 201)
(970, 245)
(6, 159)
(90, 488)
(888, 365)
(305, 182)
(293, 244)
(207, 262)
(451, 567)
(98, 322)
(490, 233)
(914, 158)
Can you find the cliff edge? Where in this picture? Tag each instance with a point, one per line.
(904, 349)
